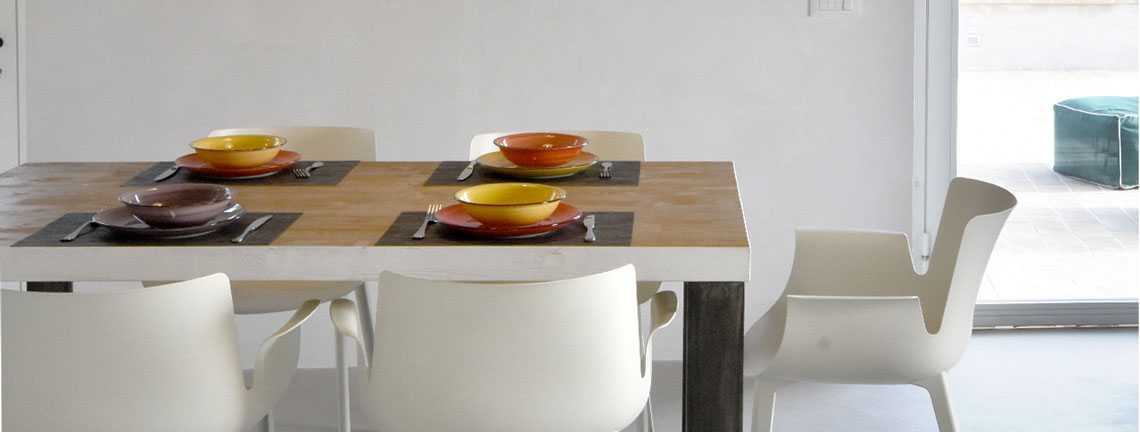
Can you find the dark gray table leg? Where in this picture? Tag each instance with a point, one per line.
(712, 380)
(60, 287)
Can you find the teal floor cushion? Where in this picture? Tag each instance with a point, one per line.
(1094, 139)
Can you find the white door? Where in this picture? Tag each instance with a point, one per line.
(9, 93)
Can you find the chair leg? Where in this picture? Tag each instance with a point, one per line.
(940, 398)
(266, 423)
(645, 420)
(764, 403)
(342, 399)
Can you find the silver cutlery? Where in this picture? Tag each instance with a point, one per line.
(167, 174)
(79, 231)
(589, 223)
(253, 226)
(430, 217)
(466, 172)
(605, 170)
(305, 172)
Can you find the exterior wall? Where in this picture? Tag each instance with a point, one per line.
(1038, 35)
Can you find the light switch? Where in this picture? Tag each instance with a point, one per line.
(821, 8)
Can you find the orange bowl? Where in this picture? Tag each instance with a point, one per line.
(540, 149)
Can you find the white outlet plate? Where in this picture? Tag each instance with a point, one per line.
(834, 8)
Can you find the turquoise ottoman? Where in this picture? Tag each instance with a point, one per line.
(1094, 139)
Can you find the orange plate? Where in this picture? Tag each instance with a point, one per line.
(196, 165)
(455, 218)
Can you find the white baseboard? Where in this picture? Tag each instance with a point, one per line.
(1038, 314)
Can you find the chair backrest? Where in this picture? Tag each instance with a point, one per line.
(607, 145)
(163, 358)
(972, 219)
(318, 142)
(545, 356)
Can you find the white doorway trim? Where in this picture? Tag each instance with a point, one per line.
(935, 117)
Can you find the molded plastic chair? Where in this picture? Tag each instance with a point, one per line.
(854, 310)
(318, 142)
(314, 143)
(162, 358)
(607, 145)
(543, 356)
(251, 297)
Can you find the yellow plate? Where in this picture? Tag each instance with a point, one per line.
(496, 163)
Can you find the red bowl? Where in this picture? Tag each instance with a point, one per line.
(540, 149)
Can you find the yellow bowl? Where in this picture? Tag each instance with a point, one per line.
(238, 151)
(510, 204)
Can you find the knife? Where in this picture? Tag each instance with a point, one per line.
(466, 171)
(589, 223)
(255, 225)
(166, 174)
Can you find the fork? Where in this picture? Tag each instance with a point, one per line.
(304, 172)
(430, 217)
(605, 170)
(79, 231)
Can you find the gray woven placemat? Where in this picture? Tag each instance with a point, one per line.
(623, 173)
(50, 234)
(329, 175)
(610, 228)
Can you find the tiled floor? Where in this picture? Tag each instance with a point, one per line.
(1067, 239)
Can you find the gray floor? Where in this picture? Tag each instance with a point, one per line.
(1009, 380)
(1067, 239)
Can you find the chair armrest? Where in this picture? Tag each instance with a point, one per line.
(346, 319)
(856, 263)
(277, 362)
(840, 337)
(646, 290)
(662, 310)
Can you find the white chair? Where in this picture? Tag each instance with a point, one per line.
(318, 142)
(855, 311)
(542, 356)
(314, 143)
(163, 358)
(607, 145)
(253, 297)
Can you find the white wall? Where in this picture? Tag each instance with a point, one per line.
(815, 112)
(1050, 36)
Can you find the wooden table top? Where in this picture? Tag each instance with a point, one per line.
(678, 206)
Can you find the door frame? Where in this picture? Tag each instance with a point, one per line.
(935, 164)
(935, 118)
(12, 149)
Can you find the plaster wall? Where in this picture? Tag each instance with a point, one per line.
(815, 112)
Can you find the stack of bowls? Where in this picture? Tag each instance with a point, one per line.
(177, 206)
(238, 151)
(510, 204)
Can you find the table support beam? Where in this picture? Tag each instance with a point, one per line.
(713, 358)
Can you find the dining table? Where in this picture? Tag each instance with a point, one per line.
(686, 224)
